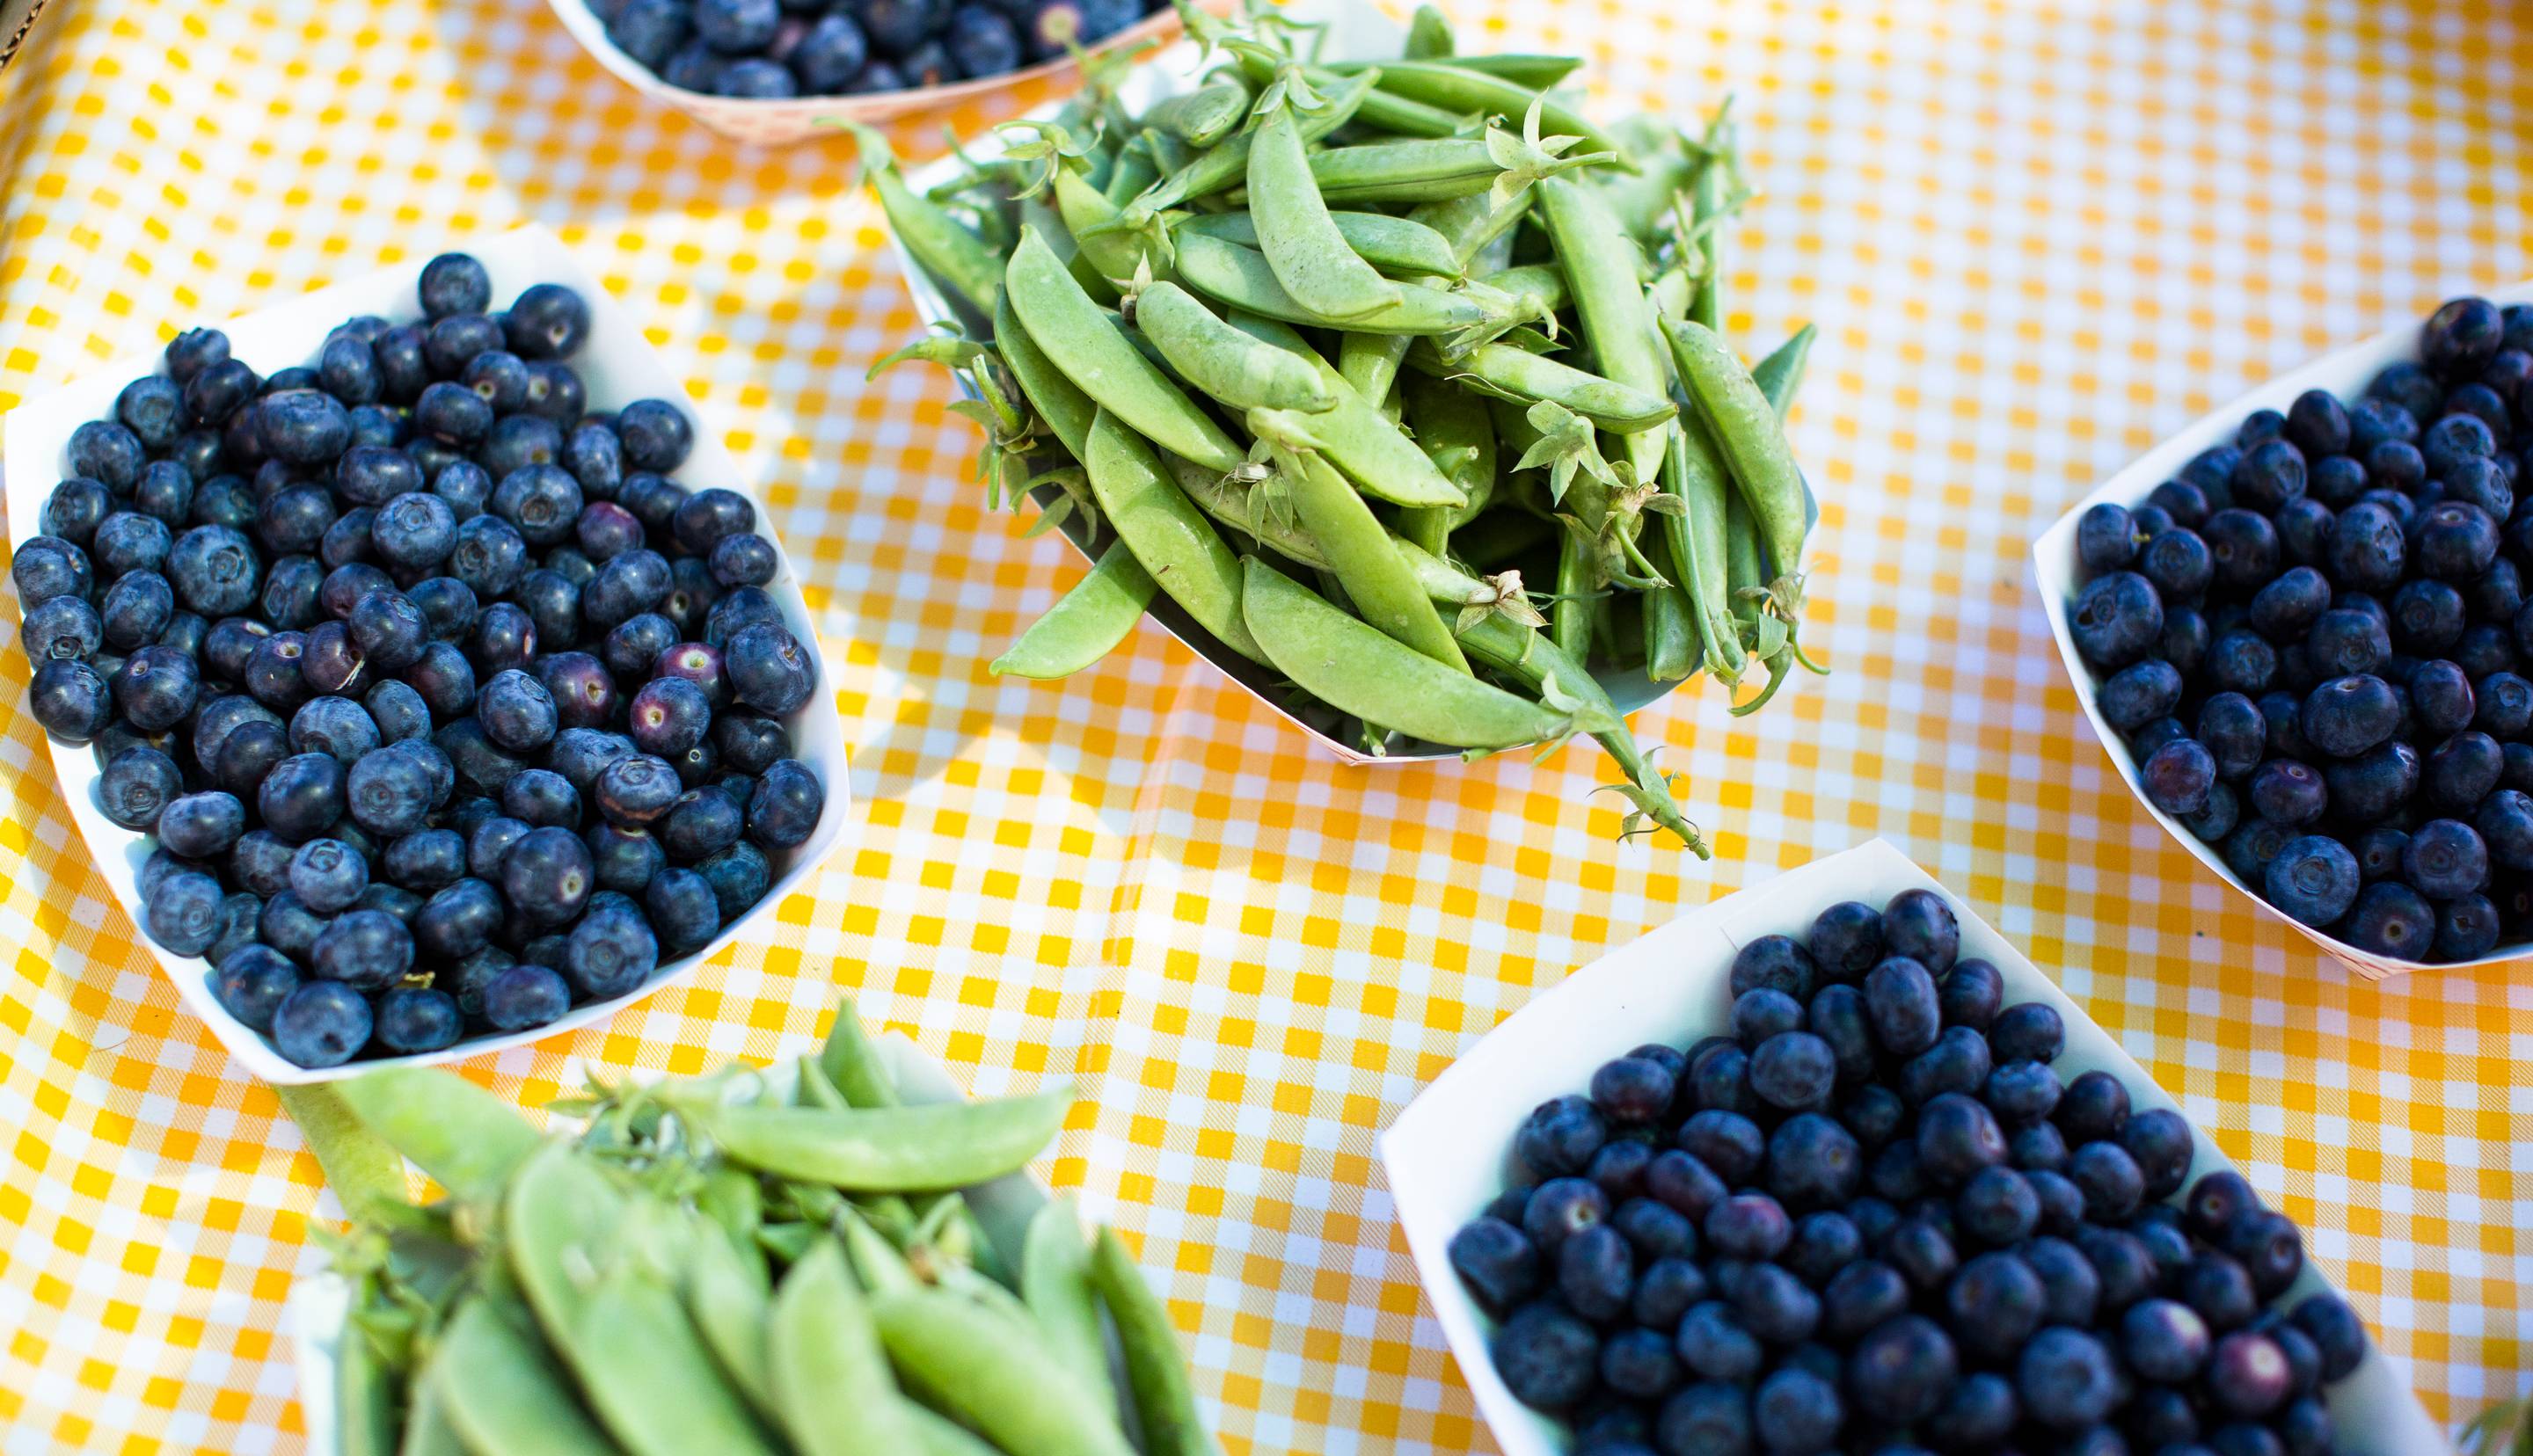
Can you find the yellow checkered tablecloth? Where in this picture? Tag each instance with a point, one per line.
(2037, 235)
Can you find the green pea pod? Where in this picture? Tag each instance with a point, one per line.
(365, 1414)
(427, 1432)
(1086, 623)
(730, 1301)
(1693, 476)
(788, 1241)
(1517, 373)
(647, 1373)
(1227, 164)
(1309, 256)
(731, 1200)
(1462, 89)
(1601, 269)
(993, 1373)
(1743, 572)
(831, 1377)
(1233, 367)
(1428, 35)
(1156, 1372)
(1426, 170)
(1056, 1286)
(1357, 438)
(1671, 636)
(1384, 590)
(1453, 431)
(1113, 252)
(1239, 278)
(1357, 669)
(937, 1434)
(938, 241)
(896, 1149)
(1707, 209)
(815, 1090)
(848, 1058)
(499, 1387)
(1065, 409)
(1537, 72)
(365, 1172)
(1368, 363)
(1167, 534)
(559, 1216)
(1781, 374)
(1474, 223)
(1378, 112)
(1204, 116)
(1092, 352)
(1752, 441)
(1543, 283)
(1398, 245)
(464, 1137)
(1136, 168)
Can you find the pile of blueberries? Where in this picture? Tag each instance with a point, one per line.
(771, 50)
(447, 708)
(2316, 642)
(1872, 1219)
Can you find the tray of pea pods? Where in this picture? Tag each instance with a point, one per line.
(1340, 367)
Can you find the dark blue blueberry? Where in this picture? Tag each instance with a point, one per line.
(627, 586)
(2117, 619)
(1824, 1243)
(2212, 470)
(655, 435)
(107, 451)
(327, 875)
(2314, 879)
(458, 920)
(2462, 771)
(2379, 853)
(516, 712)
(2160, 1143)
(2318, 423)
(2109, 1180)
(2395, 465)
(556, 392)
(1761, 1012)
(2483, 485)
(2218, 817)
(757, 79)
(1994, 1304)
(1776, 1306)
(2021, 1092)
(2247, 1375)
(1903, 1370)
(527, 995)
(1957, 1136)
(1497, 1263)
(2185, 639)
(2461, 338)
(1957, 1061)
(2502, 702)
(2337, 480)
(455, 284)
(136, 610)
(155, 687)
(1861, 1297)
(2376, 419)
(1560, 1137)
(830, 53)
(1794, 1070)
(785, 809)
(165, 490)
(321, 1024)
(1971, 995)
(2243, 548)
(1727, 1143)
(348, 370)
(213, 570)
(1653, 1228)
(2442, 697)
(684, 911)
(183, 911)
(2257, 428)
(2269, 1249)
(2234, 734)
(2304, 1428)
(334, 725)
(2182, 504)
(2286, 795)
(412, 1020)
(1998, 1207)
(399, 710)
(2443, 446)
(71, 699)
(636, 790)
(1895, 1175)
(1901, 1003)
(1713, 1342)
(302, 796)
(2285, 609)
(194, 350)
(705, 821)
(2066, 1379)
(540, 797)
(546, 876)
(2445, 860)
(1776, 961)
(2179, 776)
(2467, 928)
(70, 517)
(1638, 1364)
(453, 414)
(2454, 541)
(426, 860)
(739, 876)
(540, 500)
(2106, 538)
(366, 950)
(609, 952)
(1812, 1162)
(2139, 694)
(294, 521)
(199, 826)
(252, 983)
(624, 859)
(2304, 531)
(2178, 565)
(1595, 1272)
(549, 320)
(747, 742)
(137, 786)
(2334, 1328)
(2368, 548)
(2372, 786)
(211, 396)
(1681, 1181)
(303, 427)
(388, 630)
(2271, 474)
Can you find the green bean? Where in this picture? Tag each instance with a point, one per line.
(1453, 431)
(993, 1374)
(646, 1371)
(1781, 374)
(1233, 367)
(1092, 352)
(1239, 278)
(462, 1136)
(559, 1214)
(1086, 623)
(365, 1416)
(831, 1377)
(1359, 669)
(1061, 404)
(1204, 116)
(1113, 252)
(848, 1058)
(1429, 171)
(730, 1301)
(1359, 440)
(1519, 374)
(1459, 89)
(1428, 35)
(937, 1434)
(1750, 440)
(1358, 550)
(1156, 1371)
(1166, 534)
(1600, 263)
(1692, 475)
(1227, 164)
(427, 1432)
(1309, 256)
(896, 1149)
(497, 1383)
(1055, 1285)
(1396, 244)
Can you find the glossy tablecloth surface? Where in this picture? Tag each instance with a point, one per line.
(2036, 237)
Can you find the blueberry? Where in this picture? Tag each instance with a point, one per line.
(831, 52)
(327, 875)
(136, 610)
(2159, 1142)
(1497, 1263)
(2106, 538)
(455, 284)
(2180, 775)
(627, 586)
(2271, 474)
(2178, 565)
(525, 996)
(321, 1024)
(2094, 1106)
(1998, 1207)
(366, 950)
(538, 797)
(412, 1020)
(546, 875)
(1683, 1183)
(457, 920)
(2379, 853)
(1957, 1136)
(549, 320)
(253, 981)
(1720, 1079)
(2269, 1249)
(2334, 1328)
(1969, 995)
(303, 427)
(1957, 1061)
(739, 877)
(1713, 1342)
(1994, 1304)
(1595, 1272)
(1761, 1012)
(1901, 1003)
(2117, 619)
(1727, 1143)
(1903, 1370)
(135, 786)
(2247, 1375)
(2461, 338)
(2467, 928)
(684, 911)
(1813, 1163)
(2139, 693)
(198, 826)
(2390, 919)
(2022, 1092)
(769, 670)
(609, 952)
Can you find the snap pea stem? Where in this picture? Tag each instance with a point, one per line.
(1156, 1371)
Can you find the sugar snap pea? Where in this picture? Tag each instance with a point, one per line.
(1747, 435)
(1085, 210)
(1362, 671)
(1057, 400)
(1226, 164)
(1204, 116)
(363, 1396)
(497, 1384)
(1310, 257)
(427, 1432)
(1364, 444)
(946, 249)
(1086, 623)
(1536, 72)
(1384, 590)
(560, 1213)
(1455, 87)
(1542, 284)
(993, 1373)
(937, 1434)
(898, 1149)
(1671, 637)
(831, 1377)
(1428, 35)
(1692, 475)
(1239, 278)
(1429, 170)
(647, 1373)
(729, 1300)
(1398, 245)
(1166, 533)
(852, 1063)
(1781, 374)
(1136, 168)
(1451, 427)
(1090, 350)
(1368, 363)
(462, 1136)
(1056, 1286)
(1236, 368)
(1519, 374)
(1599, 265)
(366, 1173)
(1156, 1371)
(1378, 112)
